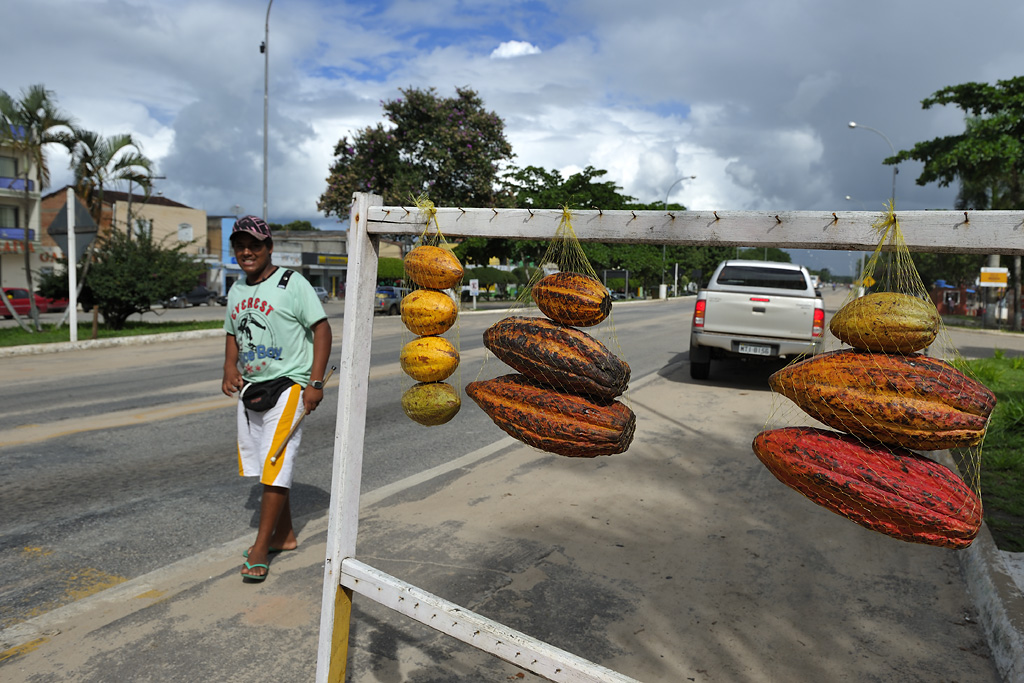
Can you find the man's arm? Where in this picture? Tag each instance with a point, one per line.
(232, 381)
(321, 355)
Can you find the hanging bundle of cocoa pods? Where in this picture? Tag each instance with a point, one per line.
(563, 396)
(882, 397)
(430, 311)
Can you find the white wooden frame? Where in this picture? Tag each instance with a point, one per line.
(983, 232)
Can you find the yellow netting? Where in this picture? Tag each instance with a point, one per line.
(886, 398)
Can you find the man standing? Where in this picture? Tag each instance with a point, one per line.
(278, 341)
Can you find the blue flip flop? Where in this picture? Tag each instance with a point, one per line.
(253, 577)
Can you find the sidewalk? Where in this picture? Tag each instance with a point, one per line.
(682, 559)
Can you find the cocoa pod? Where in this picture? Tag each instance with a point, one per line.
(428, 312)
(911, 401)
(888, 322)
(572, 299)
(431, 403)
(433, 267)
(559, 356)
(554, 421)
(429, 359)
(890, 490)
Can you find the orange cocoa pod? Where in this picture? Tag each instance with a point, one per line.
(554, 421)
(911, 401)
(433, 267)
(572, 299)
(556, 355)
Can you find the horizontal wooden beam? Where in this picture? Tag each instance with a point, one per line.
(978, 232)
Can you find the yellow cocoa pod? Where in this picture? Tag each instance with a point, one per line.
(429, 359)
(431, 403)
(887, 322)
(433, 267)
(428, 311)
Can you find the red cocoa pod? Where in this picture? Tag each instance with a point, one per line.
(890, 490)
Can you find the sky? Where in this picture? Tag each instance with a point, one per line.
(753, 98)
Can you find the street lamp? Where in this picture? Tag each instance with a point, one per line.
(895, 167)
(265, 49)
(665, 208)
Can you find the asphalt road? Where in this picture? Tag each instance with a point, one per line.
(118, 461)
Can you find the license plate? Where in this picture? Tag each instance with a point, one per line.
(755, 349)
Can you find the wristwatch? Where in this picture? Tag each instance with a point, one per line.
(317, 384)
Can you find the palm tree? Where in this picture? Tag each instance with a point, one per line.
(29, 125)
(99, 162)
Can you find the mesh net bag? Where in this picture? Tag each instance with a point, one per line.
(885, 426)
(430, 349)
(563, 395)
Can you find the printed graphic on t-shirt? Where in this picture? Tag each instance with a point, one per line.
(257, 342)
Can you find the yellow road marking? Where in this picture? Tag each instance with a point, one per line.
(22, 649)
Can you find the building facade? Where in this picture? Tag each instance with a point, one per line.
(20, 211)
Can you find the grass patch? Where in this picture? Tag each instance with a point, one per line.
(15, 336)
(1002, 455)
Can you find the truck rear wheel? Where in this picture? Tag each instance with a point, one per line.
(700, 362)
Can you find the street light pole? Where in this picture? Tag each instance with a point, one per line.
(265, 49)
(895, 167)
(665, 208)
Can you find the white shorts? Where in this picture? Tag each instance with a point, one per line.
(260, 435)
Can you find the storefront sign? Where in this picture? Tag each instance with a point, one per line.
(994, 277)
(328, 260)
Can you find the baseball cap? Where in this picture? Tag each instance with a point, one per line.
(253, 225)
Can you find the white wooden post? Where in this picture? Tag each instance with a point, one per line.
(353, 378)
(982, 232)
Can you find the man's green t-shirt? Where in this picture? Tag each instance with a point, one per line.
(271, 324)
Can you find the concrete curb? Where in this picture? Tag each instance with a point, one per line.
(999, 602)
(135, 340)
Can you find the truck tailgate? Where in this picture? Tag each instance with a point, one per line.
(758, 315)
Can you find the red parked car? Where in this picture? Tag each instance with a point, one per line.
(18, 297)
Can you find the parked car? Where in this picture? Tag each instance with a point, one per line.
(18, 296)
(322, 294)
(57, 305)
(195, 297)
(389, 300)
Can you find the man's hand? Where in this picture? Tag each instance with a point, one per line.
(311, 398)
(232, 381)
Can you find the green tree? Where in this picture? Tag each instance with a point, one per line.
(390, 269)
(100, 162)
(536, 188)
(451, 149)
(763, 254)
(294, 226)
(29, 125)
(128, 276)
(988, 155)
(987, 158)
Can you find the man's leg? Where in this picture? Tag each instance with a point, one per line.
(273, 505)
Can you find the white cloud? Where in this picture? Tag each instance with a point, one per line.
(514, 48)
(753, 98)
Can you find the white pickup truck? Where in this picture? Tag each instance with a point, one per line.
(755, 309)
